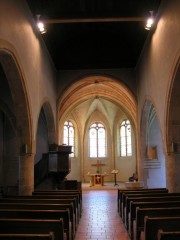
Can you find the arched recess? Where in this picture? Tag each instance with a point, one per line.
(46, 132)
(152, 165)
(21, 147)
(20, 99)
(173, 131)
(102, 95)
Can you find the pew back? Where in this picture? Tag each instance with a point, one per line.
(122, 192)
(152, 225)
(35, 226)
(41, 214)
(164, 235)
(141, 213)
(152, 198)
(27, 236)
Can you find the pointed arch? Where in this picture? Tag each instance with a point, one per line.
(20, 98)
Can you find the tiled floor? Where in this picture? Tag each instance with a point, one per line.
(100, 220)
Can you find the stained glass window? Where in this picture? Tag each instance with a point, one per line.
(69, 135)
(125, 139)
(97, 141)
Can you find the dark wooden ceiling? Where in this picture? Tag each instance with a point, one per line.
(95, 33)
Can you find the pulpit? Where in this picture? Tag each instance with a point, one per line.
(97, 179)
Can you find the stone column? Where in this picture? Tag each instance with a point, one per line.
(171, 172)
(26, 174)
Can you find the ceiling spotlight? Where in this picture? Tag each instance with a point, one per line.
(150, 21)
(40, 25)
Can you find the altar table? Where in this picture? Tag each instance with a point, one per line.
(97, 179)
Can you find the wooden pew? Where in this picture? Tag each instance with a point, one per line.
(42, 206)
(59, 193)
(149, 198)
(46, 200)
(141, 213)
(65, 201)
(130, 197)
(35, 226)
(74, 192)
(121, 192)
(41, 214)
(152, 226)
(129, 194)
(142, 205)
(166, 235)
(27, 236)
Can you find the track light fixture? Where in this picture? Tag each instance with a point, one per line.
(150, 21)
(40, 25)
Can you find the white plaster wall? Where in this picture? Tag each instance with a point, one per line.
(157, 64)
(159, 59)
(156, 176)
(25, 44)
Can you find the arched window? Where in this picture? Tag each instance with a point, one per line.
(97, 141)
(125, 139)
(68, 137)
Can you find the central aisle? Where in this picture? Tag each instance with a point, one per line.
(100, 219)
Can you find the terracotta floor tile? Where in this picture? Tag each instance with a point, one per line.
(100, 219)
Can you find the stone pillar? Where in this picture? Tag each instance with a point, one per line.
(171, 172)
(26, 174)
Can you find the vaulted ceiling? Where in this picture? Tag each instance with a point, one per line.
(91, 34)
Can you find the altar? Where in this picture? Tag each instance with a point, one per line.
(97, 179)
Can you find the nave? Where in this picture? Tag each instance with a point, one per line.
(100, 219)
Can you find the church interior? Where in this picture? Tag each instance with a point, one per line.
(91, 97)
(96, 63)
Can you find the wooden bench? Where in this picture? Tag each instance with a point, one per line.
(27, 236)
(33, 226)
(41, 214)
(128, 197)
(166, 235)
(124, 191)
(45, 200)
(133, 194)
(141, 205)
(59, 194)
(42, 206)
(150, 198)
(141, 213)
(153, 225)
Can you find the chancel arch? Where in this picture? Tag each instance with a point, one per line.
(99, 99)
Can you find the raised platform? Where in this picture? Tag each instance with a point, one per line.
(133, 185)
(106, 186)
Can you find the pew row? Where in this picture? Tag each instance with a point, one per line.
(167, 235)
(153, 225)
(122, 192)
(74, 193)
(141, 213)
(145, 193)
(143, 205)
(43, 206)
(26, 236)
(59, 192)
(33, 226)
(40, 214)
(147, 198)
(30, 199)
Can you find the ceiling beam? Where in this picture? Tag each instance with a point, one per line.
(93, 20)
